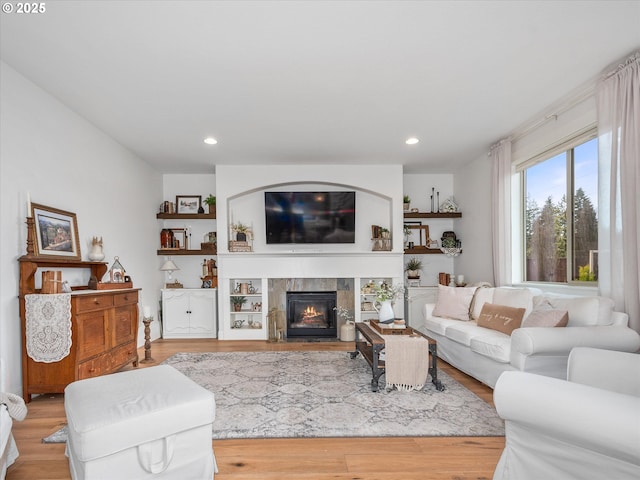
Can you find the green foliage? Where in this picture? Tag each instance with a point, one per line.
(238, 300)
(413, 264)
(586, 275)
(406, 199)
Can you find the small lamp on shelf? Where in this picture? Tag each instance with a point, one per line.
(170, 267)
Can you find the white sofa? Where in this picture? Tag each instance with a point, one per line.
(485, 353)
(586, 428)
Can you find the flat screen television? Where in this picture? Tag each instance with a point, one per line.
(310, 217)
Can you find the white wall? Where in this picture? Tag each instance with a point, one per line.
(67, 163)
(472, 185)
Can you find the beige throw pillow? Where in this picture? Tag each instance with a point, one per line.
(546, 318)
(500, 317)
(454, 302)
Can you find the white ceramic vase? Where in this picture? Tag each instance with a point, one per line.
(385, 310)
(96, 254)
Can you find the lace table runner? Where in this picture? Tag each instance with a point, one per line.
(48, 326)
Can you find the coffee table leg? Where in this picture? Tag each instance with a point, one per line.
(376, 371)
(433, 369)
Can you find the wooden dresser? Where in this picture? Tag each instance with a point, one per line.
(104, 330)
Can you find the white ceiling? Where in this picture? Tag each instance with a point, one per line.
(318, 82)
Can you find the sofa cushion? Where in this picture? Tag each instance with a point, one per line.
(583, 311)
(514, 297)
(493, 344)
(502, 318)
(463, 332)
(438, 324)
(453, 302)
(482, 296)
(544, 315)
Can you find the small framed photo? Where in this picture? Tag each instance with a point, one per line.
(56, 232)
(180, 238)
(188, 203)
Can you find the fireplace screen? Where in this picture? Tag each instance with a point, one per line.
(311, 314)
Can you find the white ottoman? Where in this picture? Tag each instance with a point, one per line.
(152, 423)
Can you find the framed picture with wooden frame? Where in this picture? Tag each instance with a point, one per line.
(188, 203)
(423, 234)
(56, 233)
(180, 237)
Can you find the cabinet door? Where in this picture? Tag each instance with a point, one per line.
(175, 313)
(124, 324)
(93, 333)
(202, 321)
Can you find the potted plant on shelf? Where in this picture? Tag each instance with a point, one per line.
(413, 267)
(211, 202)
(238, 302)
(406, 200)
(241, 230)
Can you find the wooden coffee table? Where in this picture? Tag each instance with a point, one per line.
(371, 343)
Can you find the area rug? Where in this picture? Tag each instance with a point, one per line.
(325, 394)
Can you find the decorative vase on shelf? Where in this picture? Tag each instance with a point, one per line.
(96, 254)
(385, 310)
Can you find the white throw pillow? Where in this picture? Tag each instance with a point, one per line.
(583, 311)
(514, 297)
(454, 302)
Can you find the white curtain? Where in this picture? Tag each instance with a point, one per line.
(618, 97)
(500, 155)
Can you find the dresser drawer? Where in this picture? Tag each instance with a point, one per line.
(123, 355)
(94, 367)
(128, 298)
(87, 303)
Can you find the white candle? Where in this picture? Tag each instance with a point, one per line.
(146, 312)
(28, 204)
(460, 279)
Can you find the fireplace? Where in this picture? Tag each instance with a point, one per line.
(311, 314)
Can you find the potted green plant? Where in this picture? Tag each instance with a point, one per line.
(237, 303)
(413, 267)
(406, 200)
(384, 233)
(211, 202)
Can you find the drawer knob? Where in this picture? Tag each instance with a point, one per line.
(126, 299)
(91, 370)
(96, 301)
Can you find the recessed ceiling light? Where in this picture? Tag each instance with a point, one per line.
(210, 141)
(412, 141)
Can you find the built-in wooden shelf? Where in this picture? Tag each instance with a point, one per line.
(187, 216)
(171, 251)
(422, 251)
(432, 215)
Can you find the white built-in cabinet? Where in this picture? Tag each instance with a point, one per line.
(415, 299)
(189, 312)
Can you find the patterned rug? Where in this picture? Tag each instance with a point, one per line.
(326, 394)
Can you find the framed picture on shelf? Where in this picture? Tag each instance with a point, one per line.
(180, 238)
(188, 203)
(413, 228)
(56, 232)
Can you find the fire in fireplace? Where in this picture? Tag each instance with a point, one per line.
(311, 314)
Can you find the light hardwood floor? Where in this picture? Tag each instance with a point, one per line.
(406, 458)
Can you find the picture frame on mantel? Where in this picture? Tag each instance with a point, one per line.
(56, 233)
(188, 203)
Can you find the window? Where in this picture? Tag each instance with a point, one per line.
(561, 243)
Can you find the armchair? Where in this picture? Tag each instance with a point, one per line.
(585, 427)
